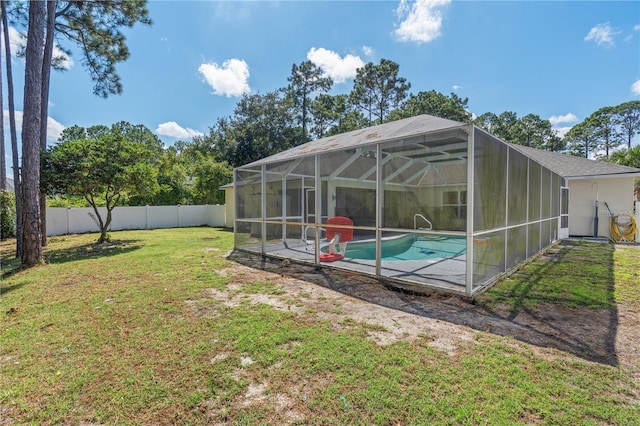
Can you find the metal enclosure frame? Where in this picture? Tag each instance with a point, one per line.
(486, 206)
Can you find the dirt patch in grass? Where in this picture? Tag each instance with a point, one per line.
(603, 335)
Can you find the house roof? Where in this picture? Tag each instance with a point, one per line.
(569, 166)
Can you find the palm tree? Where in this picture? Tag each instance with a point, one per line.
(627, 157)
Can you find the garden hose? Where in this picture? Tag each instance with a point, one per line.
(623, 232)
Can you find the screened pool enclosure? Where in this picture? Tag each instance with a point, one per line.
(423, 203)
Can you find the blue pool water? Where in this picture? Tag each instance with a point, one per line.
(409, 247)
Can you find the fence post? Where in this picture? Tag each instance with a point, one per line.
(178, 214)
(68, 226)
(146, 217)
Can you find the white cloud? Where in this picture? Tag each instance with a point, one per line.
(174, 130)
(455, 87)
(636, 27)
(567, 118)
(555, 120)
(18, 42)
(635, 87)
(368, 51)
(561, 131)
(420, 21)
(63, 60)
(231, 11)
(339, 69)
(230, 79)
(54, 129)
(602, 35)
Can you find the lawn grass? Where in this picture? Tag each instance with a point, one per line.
(126, 333)
(583, 275)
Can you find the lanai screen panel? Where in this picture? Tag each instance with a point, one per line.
(518, 188)
(289, 203)
(517, 198)
(516, 208)
(349, 190)
(489, 210)
(424, 180)
(248, 193)
(426, 176)
(350, 177)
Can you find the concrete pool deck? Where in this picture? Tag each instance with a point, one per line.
(448, 273)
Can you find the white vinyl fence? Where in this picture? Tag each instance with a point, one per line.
(61, 220)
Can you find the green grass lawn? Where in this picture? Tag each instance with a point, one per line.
(127, 333)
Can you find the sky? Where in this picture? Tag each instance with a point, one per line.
(561, 60)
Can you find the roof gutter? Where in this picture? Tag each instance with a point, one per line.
(607, 176)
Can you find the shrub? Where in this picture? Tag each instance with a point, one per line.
(7, 214)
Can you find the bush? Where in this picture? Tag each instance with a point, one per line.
(7, 214)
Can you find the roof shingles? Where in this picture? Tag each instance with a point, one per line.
(569, 166)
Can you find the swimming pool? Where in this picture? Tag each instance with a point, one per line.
(409, 247)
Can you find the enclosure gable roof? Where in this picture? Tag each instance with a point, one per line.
(569, 166)
(398, 129)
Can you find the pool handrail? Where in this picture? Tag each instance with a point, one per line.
(415, 221)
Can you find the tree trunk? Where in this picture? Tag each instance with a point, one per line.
(32, 244)
(17, 180)
(3, 163)
(105, 227)
(44, 115)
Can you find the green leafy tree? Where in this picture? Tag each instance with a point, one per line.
(306, 82)
(94, 26)
(172, 180)
(209, 177)
(377, 89)
(530, 130)
(206, 172)
(102, 170)
(333, 115)
(536, 132)
(323, 115)
(348, 117)
(627, 117)
(506, 126)
(581, 140)
(434, 103)
(603, 125)
(141, 134)
(72, 133)
(7, 214)
(487, 121)
(261, 125)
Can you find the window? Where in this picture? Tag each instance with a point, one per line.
(455, 201)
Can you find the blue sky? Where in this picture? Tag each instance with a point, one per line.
(559, 60)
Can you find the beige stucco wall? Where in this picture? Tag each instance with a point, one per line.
(229, 202)
(616, 192)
